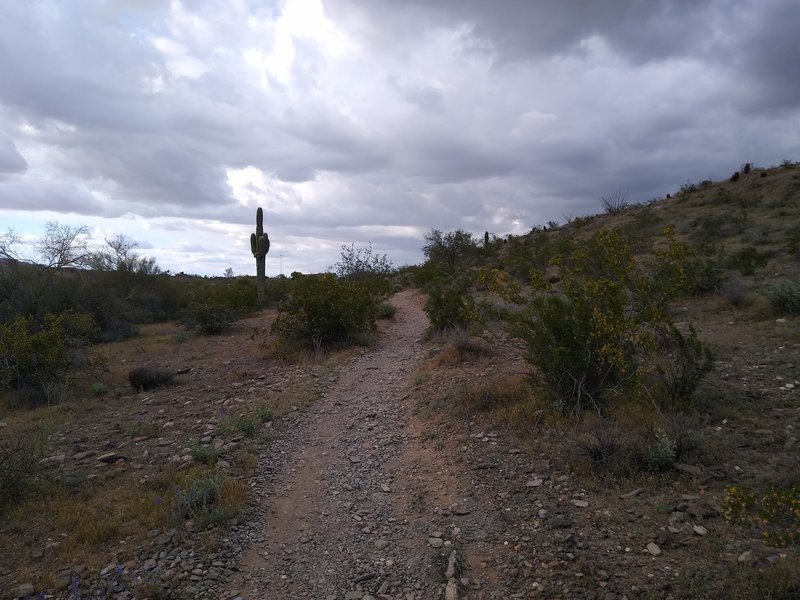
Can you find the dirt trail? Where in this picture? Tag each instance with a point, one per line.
(347, 509)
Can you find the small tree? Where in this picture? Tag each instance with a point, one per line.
(26, 277)
(449, 249)
(365, 267)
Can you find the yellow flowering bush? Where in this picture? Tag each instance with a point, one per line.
(775, 514)
(35, 355)
(587, 335)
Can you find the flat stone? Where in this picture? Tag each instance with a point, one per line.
(381, 544)
(745, 557)
(701, 510)
(535, 482)
(579, 503)
(684, 468)
(700, 530)
(26, 589)
(435, 542)
(653, 549)
(631, 494)
(110, 457)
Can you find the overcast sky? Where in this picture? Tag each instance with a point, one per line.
(375, 120)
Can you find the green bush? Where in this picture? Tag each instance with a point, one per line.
(682, 268)
(450, 308)
(207, 455)
(588, 336)
(148, 378)
(324, 311)
(386, 311)
(370, 269)
(785, 297)
(264, 413)
(661, 453)
(747, 260)
(198, 500)
(246, 425)
(210, 318)
(583, 338)
(37, 356)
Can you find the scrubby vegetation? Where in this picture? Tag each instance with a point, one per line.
(615, 319)
(325, 311)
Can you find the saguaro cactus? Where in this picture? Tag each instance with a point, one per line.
(259, 244)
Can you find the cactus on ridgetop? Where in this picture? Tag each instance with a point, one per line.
(259, 245)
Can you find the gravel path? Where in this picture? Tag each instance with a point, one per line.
(342, 514)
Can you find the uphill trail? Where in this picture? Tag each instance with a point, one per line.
(353, 503)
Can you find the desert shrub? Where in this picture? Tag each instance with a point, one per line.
(37, 356)
(386, 310)
(148, 378)
(785, 297)
(198, 499)
(99, 388)
(246, 425)
(582, 338)
(19, 467)
(322, 311)
(747, 260)
(611, 449)
(682, 268)
(368, 268)
(660, 453)
(681, 364)
(207, 455)
(615, 203)
(776, 514)
(209, 499)
(793, 240)
(535, 252)
(734, 293)
(449, 308)
(588, 335)
(264, 413)
(210, 318)
(460, 346)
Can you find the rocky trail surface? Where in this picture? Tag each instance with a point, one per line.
(345, 510)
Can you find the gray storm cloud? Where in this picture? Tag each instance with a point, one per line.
(385, 119)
